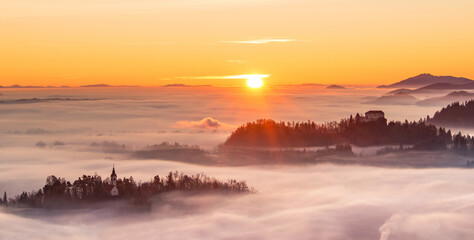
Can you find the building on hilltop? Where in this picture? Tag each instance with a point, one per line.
(370, 116)
(374, 115)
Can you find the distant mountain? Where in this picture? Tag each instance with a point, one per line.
(440, 86)
(335, 87)
(20, 86)
(445, 86)
(458, 96)
(38, 100)
(96, 85)
(400, 90)
(455, 115)
(434, 87)
(184, 85)
(84, 86)
(395, 99)
(176, 85)
(105, 85)
(427, 79)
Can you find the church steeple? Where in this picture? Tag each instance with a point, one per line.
(113, 172)
(113, 177)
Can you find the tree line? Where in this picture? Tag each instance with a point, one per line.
(269, 133)
(58, 192)
(454, 115)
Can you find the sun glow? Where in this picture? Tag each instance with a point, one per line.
(255, 82)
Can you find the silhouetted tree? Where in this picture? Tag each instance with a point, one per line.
(5, 198)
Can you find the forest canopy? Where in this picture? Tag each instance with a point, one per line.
(269, 133)
(60, 193)
(454, 115)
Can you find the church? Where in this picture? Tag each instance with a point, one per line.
(113, 183)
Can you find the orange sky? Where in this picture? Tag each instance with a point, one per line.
(156, 42)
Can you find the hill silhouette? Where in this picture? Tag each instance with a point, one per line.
(445, 86)
(400, 90)
(20, 86)
(456, 96)
(399, 98)
(455, 115)
(427, 79)
(97, 85)
(335, 87)
(269, 133)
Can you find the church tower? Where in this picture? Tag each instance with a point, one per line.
(113, 181)
(113, 177)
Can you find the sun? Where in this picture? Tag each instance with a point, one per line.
(254, 82)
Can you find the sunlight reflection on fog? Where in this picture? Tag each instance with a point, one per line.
(307, 202)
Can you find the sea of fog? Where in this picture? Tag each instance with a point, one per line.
(192, 115)
(56, 136)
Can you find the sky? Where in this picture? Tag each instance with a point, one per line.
(150, 43)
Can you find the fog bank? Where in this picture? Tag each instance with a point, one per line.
(312, 201)
(323, 202)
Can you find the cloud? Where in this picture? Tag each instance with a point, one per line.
(109, 147)
(323, 201)
(37, 131)
(312, 202)
(428, 225)
(205, 123)
(262, 41)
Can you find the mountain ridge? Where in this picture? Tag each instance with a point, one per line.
(426, 79)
